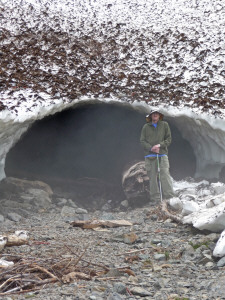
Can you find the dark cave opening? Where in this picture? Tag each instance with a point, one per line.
(94, 141)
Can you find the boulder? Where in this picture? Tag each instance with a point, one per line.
(14, 217)
(17, 186)
(22, 196)
(36, 197)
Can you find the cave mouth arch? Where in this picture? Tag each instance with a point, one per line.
(93, 141)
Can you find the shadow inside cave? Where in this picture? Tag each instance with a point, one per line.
(82, 152)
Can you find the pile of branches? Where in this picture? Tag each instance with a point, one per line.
(30, 274)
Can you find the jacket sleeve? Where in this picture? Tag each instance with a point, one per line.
(144, 143)
(167, 138)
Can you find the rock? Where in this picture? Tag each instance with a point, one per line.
(209, 265)
(127, 238)
(221, 262)
(83, 217)
(160, 257)
(95, 296)
(81, 211)
(188, 252)
(156, 241)
(107, 206)
(124, 204)
(68, 211)
(17, 186)
(114, 273)
(158, 284)
(167, 221)
(140, 292)
(61, 202)
(120, 288)
(76, 217)
(24, 195)
(22, 209)
(114, 296)
(154, 217)
(205, 259)
(212, 237)
(37, 197)
(130, 238)
(2, 218)
(173, 296)
(218, 287)
(14, 217)
(107, 216)
(211, 246)
(71, 203)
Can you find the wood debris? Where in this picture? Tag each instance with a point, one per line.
(29, 274)
(132, 258)
(165, 211)
(74, 275)
(100, 223)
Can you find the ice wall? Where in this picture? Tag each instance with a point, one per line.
(208, 144)
(206, 136)
(16, 118)
(205, 133)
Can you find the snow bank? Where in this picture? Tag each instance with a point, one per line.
(205, 212)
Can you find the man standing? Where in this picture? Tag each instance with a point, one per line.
(155, 138)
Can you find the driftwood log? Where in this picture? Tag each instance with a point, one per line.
(135, 183)
(165, 211)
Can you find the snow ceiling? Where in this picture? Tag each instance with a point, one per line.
(135, 54)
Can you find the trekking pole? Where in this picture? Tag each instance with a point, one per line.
(159, 179)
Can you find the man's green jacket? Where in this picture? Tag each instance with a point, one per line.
(151, 136)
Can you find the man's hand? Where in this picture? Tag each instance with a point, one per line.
(156, 148)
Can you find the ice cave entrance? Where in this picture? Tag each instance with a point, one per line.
(96, 141)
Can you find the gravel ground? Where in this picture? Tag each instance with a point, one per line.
(169, 260)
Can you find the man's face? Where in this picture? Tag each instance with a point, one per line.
(155, 117)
